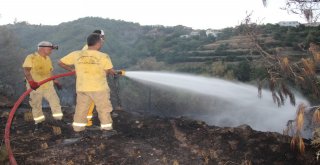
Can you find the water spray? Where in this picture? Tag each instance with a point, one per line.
(235, 103)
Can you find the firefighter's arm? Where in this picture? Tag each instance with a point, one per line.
(34, 85)
(111, 72)
(27, 73)
(66, 67)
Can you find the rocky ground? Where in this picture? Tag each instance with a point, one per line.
(147, 140)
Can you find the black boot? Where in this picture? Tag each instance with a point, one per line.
(80, 134)
(108, 133)
(38, 127)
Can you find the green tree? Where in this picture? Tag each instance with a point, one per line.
(243, 71)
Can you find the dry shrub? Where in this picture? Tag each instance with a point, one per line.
(316, 116)
(246, 162)
(308, 67)
(285, 64)
(175, 162)
(283, 72)
(293, 142)
(316, 57)
(301, 146)
(300, 80)
(297, 141)
(314, 49)
(300, 117)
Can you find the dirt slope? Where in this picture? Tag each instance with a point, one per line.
(151, 140)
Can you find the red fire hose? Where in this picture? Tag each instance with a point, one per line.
(13, 110)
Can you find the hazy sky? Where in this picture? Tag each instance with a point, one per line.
(198, 14)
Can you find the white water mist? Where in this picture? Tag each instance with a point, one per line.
(241, 104)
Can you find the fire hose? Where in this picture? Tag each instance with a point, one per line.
(13, 110)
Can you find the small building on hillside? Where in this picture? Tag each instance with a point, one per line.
(289, 23)
(191, 34)
(195, 33)
(185, 36)
(211, 32)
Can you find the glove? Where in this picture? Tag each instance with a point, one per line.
(116, 75)
(33, 85)
(112, 73)
(57, 84)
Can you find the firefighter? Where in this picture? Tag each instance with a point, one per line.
(38, 66)
(91, 108)
(92, 68)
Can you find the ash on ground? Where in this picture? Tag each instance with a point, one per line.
(147, 140)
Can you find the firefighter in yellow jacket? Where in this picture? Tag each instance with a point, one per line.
(38, 66)
(92, 67)
(91, 108)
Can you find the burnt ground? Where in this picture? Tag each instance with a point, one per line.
(148, 140)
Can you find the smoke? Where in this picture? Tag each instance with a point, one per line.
(232, 103)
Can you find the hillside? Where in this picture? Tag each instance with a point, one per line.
(128, 43)
(144, 139)
(226, 54)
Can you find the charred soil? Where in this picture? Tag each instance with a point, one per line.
(147, 140)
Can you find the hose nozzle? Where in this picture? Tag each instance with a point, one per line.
(121, 72)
